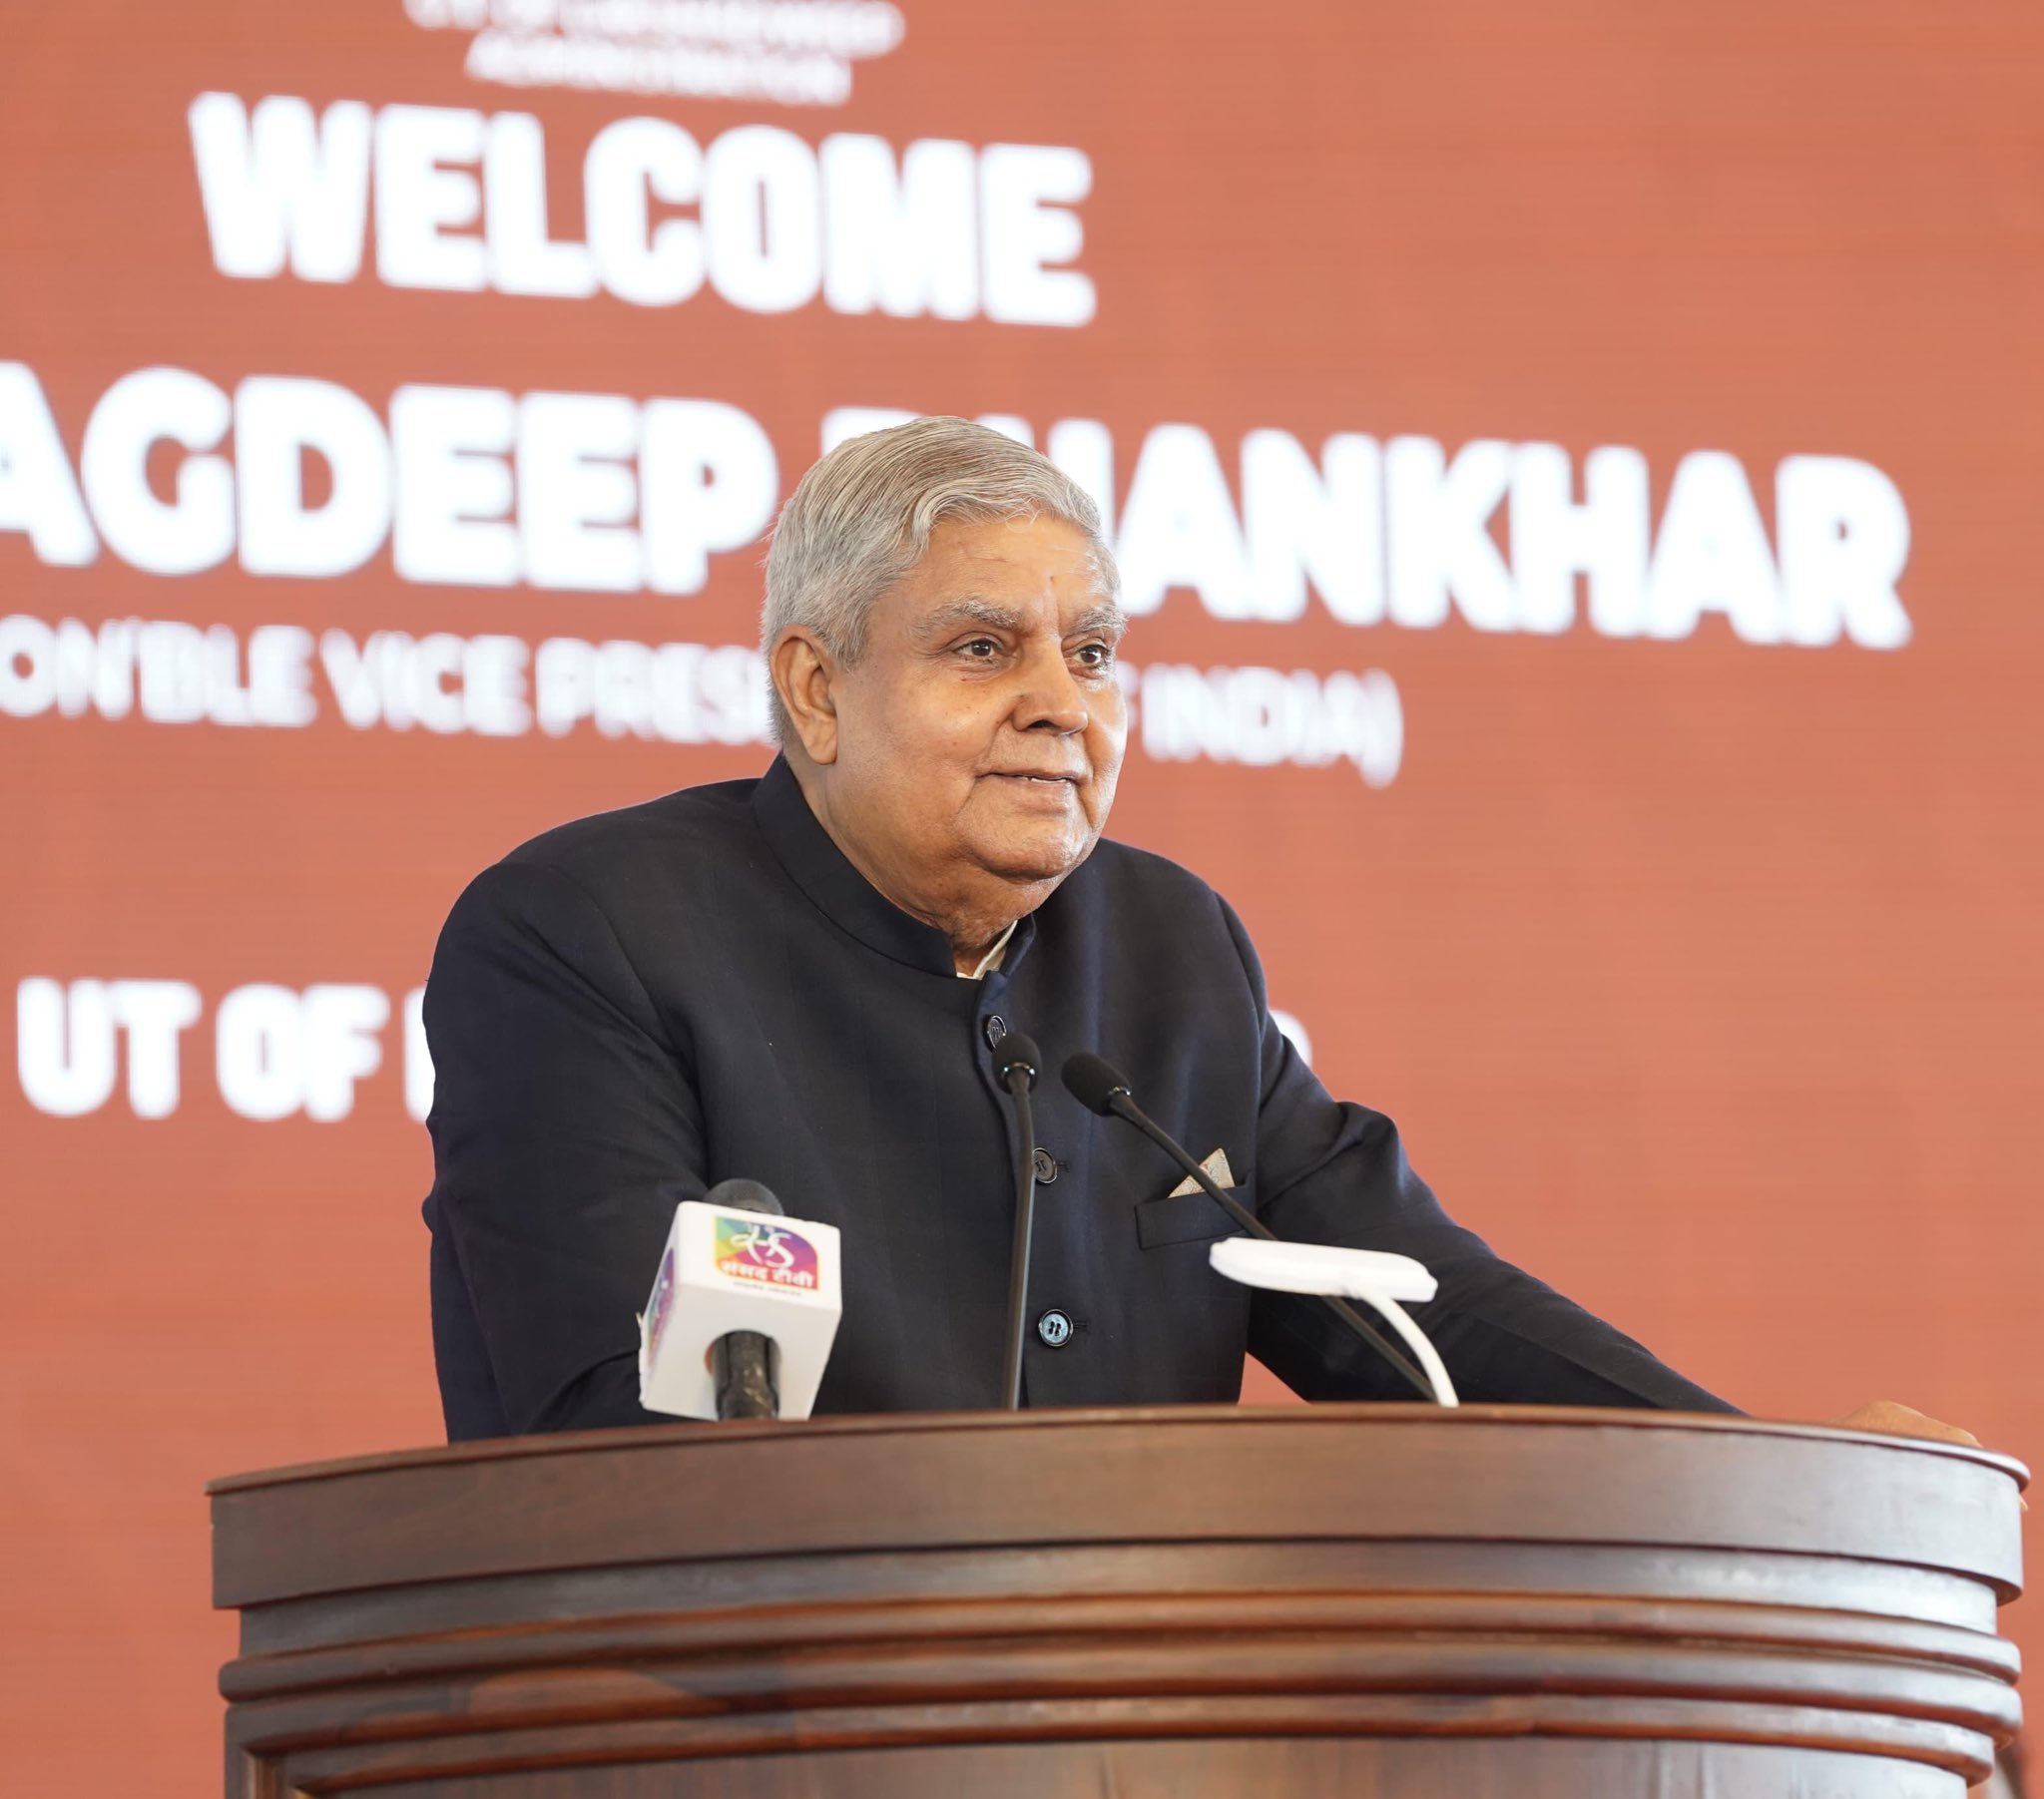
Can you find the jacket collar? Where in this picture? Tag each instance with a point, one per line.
(821, 870)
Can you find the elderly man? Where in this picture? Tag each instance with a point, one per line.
(802, 978)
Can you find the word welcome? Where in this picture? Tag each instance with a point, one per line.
(764, 220)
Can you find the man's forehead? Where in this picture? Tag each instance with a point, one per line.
(994, 571)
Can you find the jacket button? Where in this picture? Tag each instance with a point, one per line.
(1046, 1166)
(1054, 1328)
(996, 1029)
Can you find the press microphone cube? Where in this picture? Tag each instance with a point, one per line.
(726, 1270)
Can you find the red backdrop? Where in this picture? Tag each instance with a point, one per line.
(1689, 930)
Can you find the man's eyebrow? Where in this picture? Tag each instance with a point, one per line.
(970, 611)
(1106, 619)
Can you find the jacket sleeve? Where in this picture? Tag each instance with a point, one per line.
(565, 1130)
(1332, 1172)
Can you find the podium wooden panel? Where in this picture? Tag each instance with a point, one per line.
(1201, 1601)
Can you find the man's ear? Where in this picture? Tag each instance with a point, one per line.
(804, 672)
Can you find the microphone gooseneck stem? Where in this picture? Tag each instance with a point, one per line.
(1127, 1108)
(1025, 1224)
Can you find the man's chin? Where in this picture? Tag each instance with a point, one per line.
(1033, 861)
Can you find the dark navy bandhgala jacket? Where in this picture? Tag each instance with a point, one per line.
(637, 1006)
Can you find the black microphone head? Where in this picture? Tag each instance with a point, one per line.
(1094, 1082)
(1017, 1050)
(745, 1196)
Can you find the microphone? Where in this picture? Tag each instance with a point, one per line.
(1101, 1087)
(1016, 1063)
(744, 1310)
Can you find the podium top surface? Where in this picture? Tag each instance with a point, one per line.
(1179, 1474)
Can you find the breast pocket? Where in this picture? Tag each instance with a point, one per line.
(1181, 1218)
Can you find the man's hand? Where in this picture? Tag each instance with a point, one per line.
(1902, 1420)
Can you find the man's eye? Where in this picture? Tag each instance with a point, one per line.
(1096, 656)
(980, 650)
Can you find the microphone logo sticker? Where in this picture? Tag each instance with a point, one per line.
(766, 1254)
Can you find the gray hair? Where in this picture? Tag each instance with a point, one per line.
(862, 518)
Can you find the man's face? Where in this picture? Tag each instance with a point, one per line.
(980, 735)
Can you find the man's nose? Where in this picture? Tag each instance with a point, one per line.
(1051, 698)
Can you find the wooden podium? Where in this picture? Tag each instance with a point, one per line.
(1142, 1605)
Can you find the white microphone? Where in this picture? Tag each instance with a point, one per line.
(738, 1277)
(1378, 1279)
